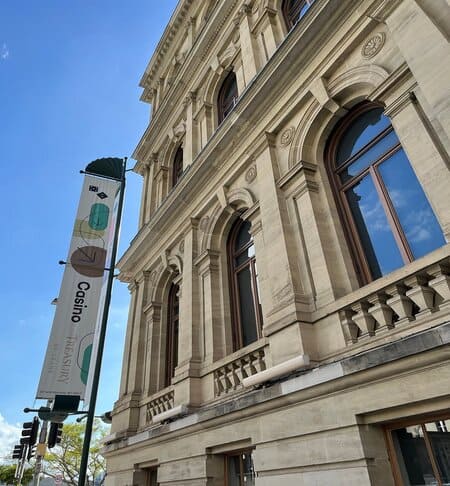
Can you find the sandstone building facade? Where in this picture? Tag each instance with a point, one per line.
(290, 298)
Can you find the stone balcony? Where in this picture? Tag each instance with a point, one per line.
(404, 303)
(229, 376)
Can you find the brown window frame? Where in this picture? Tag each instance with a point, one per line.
(151, 476)
(419, 421)
(224, 108)
(291, 11)
(177, 166)
(355, 244)
(227, 457)
(235, 297)
(173, 320)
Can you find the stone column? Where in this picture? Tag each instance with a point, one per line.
(277, 267)
(204, 120)
(132, 287)
(146, 173)
(189, 344)
(154, 371)
(191, 31)
(212, 334)
(327, 282)
(137, 347)
(268, 32)
(126, 409)
(162, 182)
(425, 154)
(190, 149)
(248, 52)
(151, 199)
(427, 52)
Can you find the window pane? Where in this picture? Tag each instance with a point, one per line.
(380, 247)
(246, 307)
(249, 472)
(412, 455)
(233, 467)
(245, 255)
(372, 155)
(413, 209)
(244, 236)
(305, 8)
(364, 129)
(439, 435)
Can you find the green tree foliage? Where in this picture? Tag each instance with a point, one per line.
(7, 475)
(64, 459)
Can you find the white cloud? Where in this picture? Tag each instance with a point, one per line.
(4, 52)
(9, 437)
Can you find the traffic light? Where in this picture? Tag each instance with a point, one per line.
(18, 451)
(54, 436)
(30, 432)
(31, 452)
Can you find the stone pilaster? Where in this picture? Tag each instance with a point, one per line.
(190, 148)
(248, 52)
(128, 339)
(213, 342)
(138, 340)
(427, 52)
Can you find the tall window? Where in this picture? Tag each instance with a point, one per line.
(177, 168)
(389, 219)
(246, 309)
(172, 333)
(228, 96)
(294, 10)
(239, 470)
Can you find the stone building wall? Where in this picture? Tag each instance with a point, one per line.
(374, 352)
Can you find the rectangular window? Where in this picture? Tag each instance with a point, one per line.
(420, 453)
(239, 470)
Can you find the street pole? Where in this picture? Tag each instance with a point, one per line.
(101, 340)
(21, 466)
(40, 450)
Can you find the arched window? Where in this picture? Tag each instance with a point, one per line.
(172, 333)
(177, 168)
(245, 302)
(294, 10)
(228, 96)
(389, 219)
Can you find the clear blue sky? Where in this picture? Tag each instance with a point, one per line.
(69, 74)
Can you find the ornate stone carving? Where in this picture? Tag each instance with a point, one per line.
(251, 173)
(153, 277)
(181, 246)
(179, 130)
(204, 223)
(287, 136)
(373, 45)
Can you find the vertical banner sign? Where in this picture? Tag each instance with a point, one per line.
(102, 299)
(70, 348)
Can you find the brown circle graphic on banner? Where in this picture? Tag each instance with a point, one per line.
(89, 261)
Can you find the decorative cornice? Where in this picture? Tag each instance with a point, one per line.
(170, 32)
(195, 58)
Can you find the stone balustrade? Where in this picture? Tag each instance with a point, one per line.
(229, 377)
(159, 404)
(401, 303)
